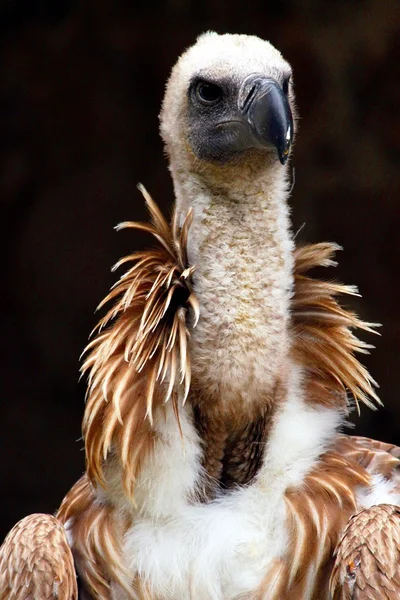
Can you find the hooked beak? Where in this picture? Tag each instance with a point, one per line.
(263, 120)
(267, 111)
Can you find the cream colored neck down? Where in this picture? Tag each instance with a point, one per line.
(241, 245)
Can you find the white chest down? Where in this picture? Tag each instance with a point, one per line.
(219, 551)
(181, 549)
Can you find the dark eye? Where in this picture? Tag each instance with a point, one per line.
(285, 85)
(208, 93)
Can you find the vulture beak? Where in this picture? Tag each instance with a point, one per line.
(266, 112)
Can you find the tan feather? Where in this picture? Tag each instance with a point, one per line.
(139, 357)
(367, 561)
(322, 338)
(274, 584)
(36, 561)
(97, 532)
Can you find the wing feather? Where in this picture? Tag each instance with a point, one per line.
(367, 563)
(36, 561)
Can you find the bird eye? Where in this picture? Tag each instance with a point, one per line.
(285, 85)
(208, 93)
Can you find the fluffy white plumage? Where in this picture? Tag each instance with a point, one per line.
(222, 549)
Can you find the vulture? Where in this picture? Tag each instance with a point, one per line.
(219, 382)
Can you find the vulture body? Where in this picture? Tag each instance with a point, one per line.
(218, 385)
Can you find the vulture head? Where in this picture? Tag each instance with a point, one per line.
(229, 100)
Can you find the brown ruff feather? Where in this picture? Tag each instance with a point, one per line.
(97, 529)
(139, 359)
(323, 342)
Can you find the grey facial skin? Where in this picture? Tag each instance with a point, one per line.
(227, 117)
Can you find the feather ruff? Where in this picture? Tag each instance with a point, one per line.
(323, 342)
(139, 357)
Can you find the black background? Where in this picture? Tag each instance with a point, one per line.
(80, 89)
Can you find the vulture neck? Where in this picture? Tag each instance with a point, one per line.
(241, 245)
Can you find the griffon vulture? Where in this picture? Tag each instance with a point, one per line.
(218, 384)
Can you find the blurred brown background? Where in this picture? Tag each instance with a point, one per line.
(80, 89)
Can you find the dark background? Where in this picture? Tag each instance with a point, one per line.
(80, 89)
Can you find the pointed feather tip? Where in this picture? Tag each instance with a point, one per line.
(372, 327)
(142, 189)
(123, 225)
(151, 205)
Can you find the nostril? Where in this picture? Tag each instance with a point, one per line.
(249, 98)
(285, 85)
